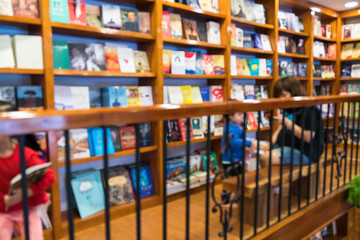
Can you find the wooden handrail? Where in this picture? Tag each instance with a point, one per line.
(22, 122)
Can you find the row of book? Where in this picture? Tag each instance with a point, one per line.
(90, 142)
(290, 21)
(250, 66)
(192, 62)
(350, 31)
(19, 8)
(175, 27)
(111, 16)
(206, 5)
(322, 30)
(349, 70)
(88, 187)
(323, 71)
(192, 94)
(292, 69)
(324, 90)
(99, 57)
(84, 97)
(321, 49)
(350, 50)
(21, 51)
(291, 45)
(25, 98)
(248, 10)
(247, 40)
(348, 109)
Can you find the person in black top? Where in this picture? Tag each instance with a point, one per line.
(308, 121)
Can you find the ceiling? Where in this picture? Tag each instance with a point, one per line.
(337, 5)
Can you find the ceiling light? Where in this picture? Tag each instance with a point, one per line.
(351, 4)
(313, 13)
(315, 9)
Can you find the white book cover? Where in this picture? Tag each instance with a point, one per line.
(233, 91)
(111, 16)
(216, 94)
(166, 95)
(355, 70)
(175, 95)
(316, 52)
(215, 6)
(240, 95)
(196, 95)
(80, 97)
(295, 22)
(6, 52)
(282, 20)
(321, 49)
(146, 96)
(248, 11)
(281, 44)
(239, 37)
(213, 32)
(28, 51)
(265, 41)
(205, 5)
(126, 60)
(6, 8)
(262, 67)
(80, 146)
(264, 92)
(178, 62)
(259, 12)
(356, 31)
(233, 71)
(63, 98)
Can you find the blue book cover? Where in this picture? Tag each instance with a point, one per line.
(258, 43)
(95, 97)
(205, 94)
(88, 192)
(97, 143)
(269, 67)
(59, 11)
(29, 98)
(114, 97)
(254, 66)
(200, 63)
(175, 167)
(146, 183)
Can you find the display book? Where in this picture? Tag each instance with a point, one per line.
(324, 90)
(24, 98)
(205, 5)
(249, 40)
(109, 16)
(28, 9)
(322, 30)
(257, 67)
(348, 89)
(248, 10)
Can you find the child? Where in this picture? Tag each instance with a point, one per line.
(233, 152)
(11, 208)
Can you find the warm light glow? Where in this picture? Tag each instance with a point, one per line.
(315, 9)
(351, 4)
(313, 13)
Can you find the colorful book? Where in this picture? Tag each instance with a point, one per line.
(200, 63)
(167, 60)
(95, 97)
(182, 123)
(126, 60)
(27, 8)
(209, 65)
(93, 17)
(77, 12)
(197, 128)
(190, 29)
(144, 22)
(219, 65)
(114, 96)
(175, 166)
(254, 66)
(59, 11)
(216, 93)
(166, 25)
(146, 183)
(29, 98)
(111, 58)
(205, 95)
(96, 141)
(120, 189)
(111, 16)
(186, 93)
(133, 96)
(130, 19)
(190, 62)
(61, 54)
(128, 140)
(79, 145)
(173, 132)
(141, 61)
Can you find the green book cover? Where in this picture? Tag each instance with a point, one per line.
(61, 54)
(59, 11)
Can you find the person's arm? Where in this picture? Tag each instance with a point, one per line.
(275, 135)
(297, 129)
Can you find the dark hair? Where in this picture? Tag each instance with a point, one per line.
(289, 84)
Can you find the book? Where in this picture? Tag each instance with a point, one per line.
(205, 5)
(197, 128)
(127, 135)
(79, 146)
(145, 134)
(200, 63)
(182, 123)
(7, 94)
(63, 98)
(133, 96)
(216, 93)
(7, 59)
(77, 56)
(219, 65)
(209, 65)
(146, 96)
(175, 95)
(173, 132)
(213, 32)
(115, 136)
(144, 22)
(120, 189)
(166, 25)
(29, 98)
(175, 166)
(61, 54)
(33, 174)
(243, 67)
(80, 97)
(95, 97)
(239, 37)
(247, 40)
(141, 61)
(95, 57)
(111, 16)
(129, 19)
(193, 3)
(254, 66)
(196, 95)
(175, 25)
(205, 94)
(265, 41)
(77, 12)
(190, 62)
(258, 42)
(27, 8)
(190, 29)
(111, 58)
(28, 51)
(93, 17)
(178, 62)
(347, 50)
(146, 183)
(347, 31)
(59, 11)
(96, 141)
(114, 96)
(201, 30)
(126, 60)
(167, 60)
(186, 93)
(237, 8)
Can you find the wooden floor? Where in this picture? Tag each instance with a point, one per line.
(151, 226)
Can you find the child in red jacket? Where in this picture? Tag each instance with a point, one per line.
(11, 207)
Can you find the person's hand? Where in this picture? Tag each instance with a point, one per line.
(253, 146)
(287, 122)
(278, 118)
(15, 197)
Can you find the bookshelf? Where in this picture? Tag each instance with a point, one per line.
(154, 43)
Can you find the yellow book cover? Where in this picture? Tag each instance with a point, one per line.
(133, 96)
(186, 92)
(245, 67)
(196, 95)
(167, 60)
(356, 51)
(219, 65)
(347, 50)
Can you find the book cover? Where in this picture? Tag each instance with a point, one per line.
(247, 40)
(347, 31)
(239, 37)
(27, 8)
(233, 67)
(80, 97)
(249, 91)
(28, 51)
(29, 98)
(116, 138)
(166, 25)
(201, 30)
(216, 93)
(213, 161)
(205, 94)
(111, 16)
(114, 96)
(146, 183)
(96, 141)
(269, 67)
(232, 34)
(144, 22)
(7, 94)
(262, 67)
(193, 3)
(167, 60)
(182, 123)
(190, 29)
(61, 54)
(63, 98)
(127, 135)
(111, 58)
(328, 31)
(6, 8)
(77, 56)
(146, 96)
(254, 66)
(178, 62)
(243, 67)
(206, 5)
(209, 65)
(77, 12)
(79, 145)
(302, 69)
(200, 63)
(95, 97)
(173, 132)
(197, 128)
(7, 59)
(175, 25)
(258, 42)
(251, 120)
(332, 51)
(196, 95)
(347, 50)
(141, 61)
(133, 96)
(265, 42)
(259, 13)
(175, 95)
(219, 65)
(213, 32)
(88, 192)
(120, 189)
(130, 19)
(249, 11)
(93, 17)
(59, 11)
(126, 60)
(95, 57)
(175, 166)
(186, 93)
(237, 8)
(190, 62)
(145, 134)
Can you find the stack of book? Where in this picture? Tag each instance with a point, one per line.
(287, 69)
(321, 49)
(248, 10)
(290, 21)
(323, 71)
(250, 66)
(322, 30)
(290, 45)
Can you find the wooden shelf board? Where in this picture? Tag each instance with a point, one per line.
(298, 78)
(252, 77)
(261, 129)
(323, 79)
(193, 76)
(325, 59)
(300, 34)
(22, 71)
(118, 154)
(67, 72)
(350, 40)
(349, 79)
(350, 60)
(187, 42)
(197, 11)
(20, 20)
(181, 143)
(325, 39)
(251, 23)
(293, 55)
(102, 32)
(251, 50)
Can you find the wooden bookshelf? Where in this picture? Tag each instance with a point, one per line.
(68, 72)
(193, 76)
(323, 79)
(261, 129)
(320, 38)
(252, 77)
(350, 40)
(350, 60)
(251, 50)
(325, 59)
(293, 55)
(22, 71)
(192, 43)
(293, 33)
(349, 79)
(182, 143)
(252, 23)
(20, 20)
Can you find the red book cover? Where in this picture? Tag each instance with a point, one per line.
(77, 12)
(209, 65)
(252, 120)
(166, 28)
(182, 128)
(332, 51)
(127, 136)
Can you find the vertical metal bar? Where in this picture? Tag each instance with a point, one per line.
(243, 182)
(291, 159)
(301, 156)
(310, 155)
(138, 192)
(208, 146)
(188, 179)
(326, 147)
(68, 186)
(352, 140)
(257, 173)
(346, 140)
(164, 180)
(333, 149)
(281, 164)
(269, 168)
(342, 131)
(357, 141)
(24, 187)
(106, 183)
(318, 162)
